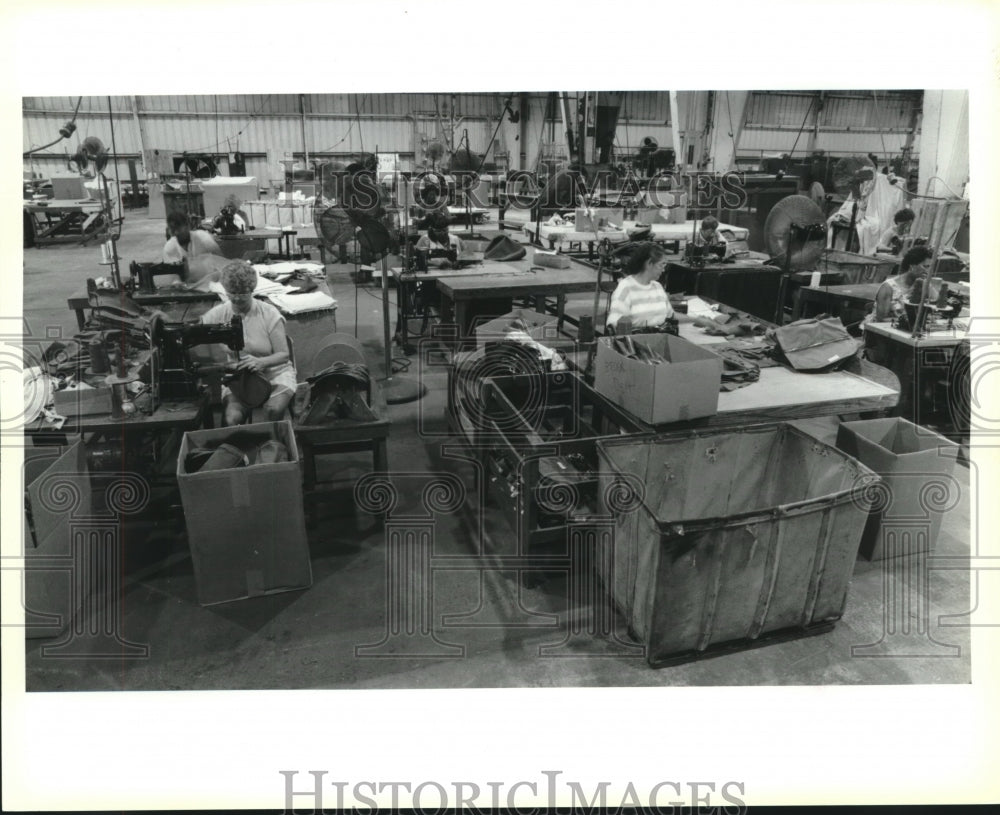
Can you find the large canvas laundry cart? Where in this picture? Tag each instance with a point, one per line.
(729, 538)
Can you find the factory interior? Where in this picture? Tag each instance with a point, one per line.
(590, 389)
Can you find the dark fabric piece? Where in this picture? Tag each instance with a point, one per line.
(196, 458)
(815, 345)
(302, 285)
(338, 374)
(270, 452)
(224, 457)
(737, 370)
(504, 248)
(251, 388)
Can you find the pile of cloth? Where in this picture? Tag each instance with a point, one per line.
(242, 449)
(337, 393)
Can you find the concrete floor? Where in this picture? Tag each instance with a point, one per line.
(473, 623)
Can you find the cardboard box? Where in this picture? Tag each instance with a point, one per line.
(216, 190)
(678, 210)
(687, 387)
(652, 215)
(51, 476)
(68, 188)
(83, 402)
(246, 525)
(910, 460)
(540, 327)
(598, 218)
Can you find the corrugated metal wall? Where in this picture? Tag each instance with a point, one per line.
(849, 122)
(346, 124)
(340, 124)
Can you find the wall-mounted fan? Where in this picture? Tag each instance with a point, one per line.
(91, 152)
(434, 151)
(199, 166)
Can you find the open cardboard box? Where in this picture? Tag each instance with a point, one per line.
(686, 387)
(246, 525)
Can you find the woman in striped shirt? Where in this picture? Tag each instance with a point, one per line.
(639, 297)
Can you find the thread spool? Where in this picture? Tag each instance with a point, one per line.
(99, 362)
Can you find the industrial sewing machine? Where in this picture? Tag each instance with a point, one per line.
(700, 255)
(143, 275)
(225, 222)
(173, 374)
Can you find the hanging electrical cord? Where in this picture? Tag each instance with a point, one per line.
(357, 114)
(114, 152)
(482, 161)
(64, 132)
(885, 153)
(239, 133)
(805, 119)
(350, 127)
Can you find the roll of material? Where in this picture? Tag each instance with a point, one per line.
(553, 260)
(99, 362)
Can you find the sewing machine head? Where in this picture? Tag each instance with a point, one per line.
(177, 373)
(143, 275)
(700, 255)
(225, 221)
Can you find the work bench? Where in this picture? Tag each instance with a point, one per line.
(934, 373)
(535, 433)
(57, 221)
(492, 284)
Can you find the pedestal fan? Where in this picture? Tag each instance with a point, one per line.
(795, 236)
(338, 225)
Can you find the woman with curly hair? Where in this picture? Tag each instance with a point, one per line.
(265, 346)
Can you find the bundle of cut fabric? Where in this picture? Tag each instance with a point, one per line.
(338, 393)
(239, 450)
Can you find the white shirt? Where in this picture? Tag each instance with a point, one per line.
(646, 305)
(201, 244)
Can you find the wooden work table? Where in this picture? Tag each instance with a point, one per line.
(60, 221)
(491, 282)
(782, 393)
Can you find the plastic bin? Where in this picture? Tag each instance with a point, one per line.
(916, 466)
(739, 537)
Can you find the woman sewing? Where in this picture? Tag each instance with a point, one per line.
(231, 220)
(265, 346)
(438, 243)
(895, 292)
(639, 298)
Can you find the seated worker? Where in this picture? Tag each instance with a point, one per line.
(895, 292)
(265, 347)
(196, 249)
(639, 297)
(892, 239)
(231, 220)
(438, 243)
(708, 235)
(183, 243)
